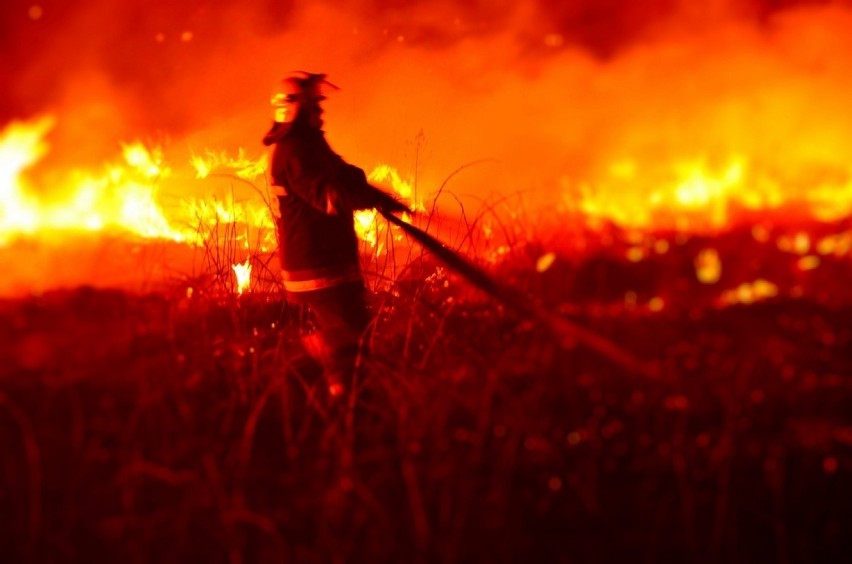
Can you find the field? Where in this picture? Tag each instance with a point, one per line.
(178, 426)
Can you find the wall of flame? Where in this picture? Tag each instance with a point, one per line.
(648, 114)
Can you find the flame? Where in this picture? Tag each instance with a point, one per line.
(713, 115)
(21, 145)
(654, 147)
(242, 272)
(123, 196)
(243, 167)
(367, 227)
(692, 195)
(386, 174)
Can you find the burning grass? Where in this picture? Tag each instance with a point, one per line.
(180, 426)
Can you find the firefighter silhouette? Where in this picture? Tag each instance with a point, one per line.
(317, 194)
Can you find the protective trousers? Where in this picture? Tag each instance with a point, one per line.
(340, 318)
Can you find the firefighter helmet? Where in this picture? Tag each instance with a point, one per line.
(298, 91)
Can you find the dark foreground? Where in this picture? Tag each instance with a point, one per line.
(163, 428)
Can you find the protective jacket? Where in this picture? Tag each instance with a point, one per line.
(317, 240)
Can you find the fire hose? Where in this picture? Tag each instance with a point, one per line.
(566, 332)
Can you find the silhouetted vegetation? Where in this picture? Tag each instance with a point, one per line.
(190, 427)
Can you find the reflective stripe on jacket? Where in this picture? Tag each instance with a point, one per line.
(313, 279)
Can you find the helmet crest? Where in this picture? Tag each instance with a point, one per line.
(308, 86)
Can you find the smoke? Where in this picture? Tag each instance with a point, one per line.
(547, 97)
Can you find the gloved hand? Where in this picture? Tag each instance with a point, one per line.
(392, 205)
(386, 203)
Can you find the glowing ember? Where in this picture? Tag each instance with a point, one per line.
(809, 262)
(749, 292)
(837, 245)
(544, 262)
(708, 267)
